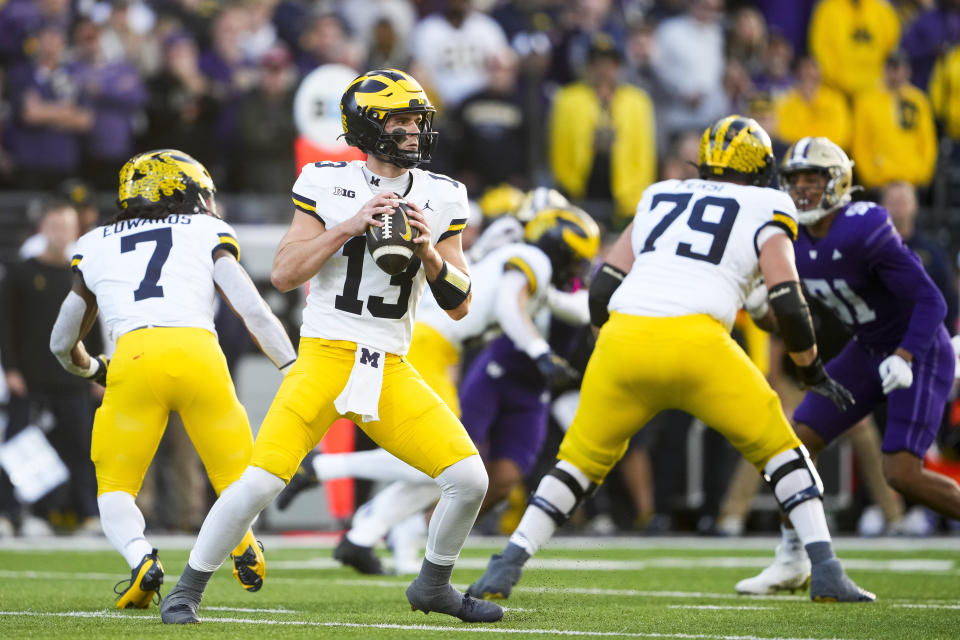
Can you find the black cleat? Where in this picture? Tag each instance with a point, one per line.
(828, 583)
(249, 567)
(143, 586)
(451, 602)
(363, 559)
(502, 573)
(304, 478)
(180, 606)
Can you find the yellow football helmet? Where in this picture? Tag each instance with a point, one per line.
(568, 236)
(501, 199)
(157, 183)
(825, 157)
(736, 147)
(367, 104)
(541, 198)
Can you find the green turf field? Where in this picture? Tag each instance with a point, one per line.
(624, 588)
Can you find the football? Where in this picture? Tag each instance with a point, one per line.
(392, 244)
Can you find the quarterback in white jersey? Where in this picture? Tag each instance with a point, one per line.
(514, 283)
(350, 297)
(688, 258)
(356, 330)
(152, 275)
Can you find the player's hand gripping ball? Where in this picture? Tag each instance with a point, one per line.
(392, 244)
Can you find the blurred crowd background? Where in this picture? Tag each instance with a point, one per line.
(595, 98)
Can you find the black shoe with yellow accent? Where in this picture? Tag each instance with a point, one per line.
(304, 478)
(363, 559)
(249, 566)
(143, 586)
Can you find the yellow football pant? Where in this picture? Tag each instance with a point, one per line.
(415, 424)
(155, 371)
(437, 361)
(644, 365)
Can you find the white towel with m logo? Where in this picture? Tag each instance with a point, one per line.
(361, 395)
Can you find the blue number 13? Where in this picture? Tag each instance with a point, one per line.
(164, 238)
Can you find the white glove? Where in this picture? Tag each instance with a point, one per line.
(895, 373)
(756, 303)
(955, 341)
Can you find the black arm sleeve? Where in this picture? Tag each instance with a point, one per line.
(601, 290)
(793, 316)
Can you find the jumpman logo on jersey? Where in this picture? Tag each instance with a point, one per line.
(427, 206)
(375, 181)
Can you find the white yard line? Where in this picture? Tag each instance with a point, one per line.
(326, 540)
(409, 627)
(901, 565)
(714, 607)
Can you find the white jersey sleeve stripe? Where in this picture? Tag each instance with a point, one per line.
(520, 265)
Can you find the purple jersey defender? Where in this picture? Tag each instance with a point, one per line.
(505, 404)
(877, 287)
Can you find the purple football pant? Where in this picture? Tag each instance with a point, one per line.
(504, 418)
(913, 414)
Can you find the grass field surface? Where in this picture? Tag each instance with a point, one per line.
(578, 587)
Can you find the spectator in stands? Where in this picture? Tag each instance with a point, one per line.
(640, 53)
(945, 96)
(894, 137)
(494, 130)
(579, 22)
(776, 77)
(265, 126)
(746, 41)
(183, 107)
(131, 33)
(932, 33)
(690, 66)
(851, 39)
(900, 200)
(49, 113)
(680, 159)
(116, 95)
(259, 32)
(388, 47)
(21, 22)
(813, 109)
(79, 195)
(603, 137)
(789, 21)
(450, 50)
(30, 299)
(326, 40)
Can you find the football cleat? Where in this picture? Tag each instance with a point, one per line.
(143, 586)
(363, 559)
(249, 567)
(304, 478)
(503, 572)
(830, 584)
(790, 571)
(180, 606)
(451, 602)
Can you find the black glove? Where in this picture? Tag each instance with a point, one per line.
(556, 370)
(814, 377)
(100, 377)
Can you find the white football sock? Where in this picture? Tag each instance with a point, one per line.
(375, 464)
(536, 527)
(123, 525)
(231, 516)
(391, 506)
(809, 522)
(462, 487)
